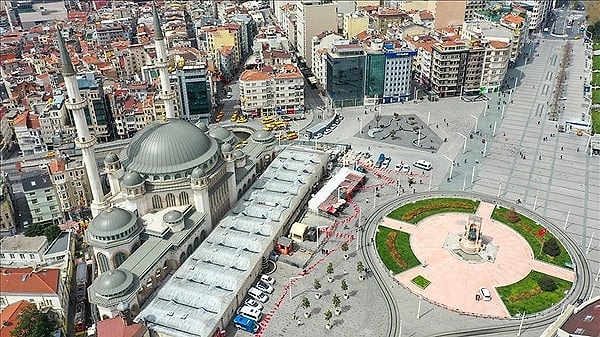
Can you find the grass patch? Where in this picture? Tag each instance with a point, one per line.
(596, 96)
(421, 282)
(529, 230)
(596, 46)
(394, 250)
(596, 62)
(526, 296)
(596, 79)
(596, 120)
(417, 211)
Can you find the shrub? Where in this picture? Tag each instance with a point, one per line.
(513, 216)
(547, 283)
(551, 247)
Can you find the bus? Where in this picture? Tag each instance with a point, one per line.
(245, 323)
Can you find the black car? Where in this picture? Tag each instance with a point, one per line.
(311, 234)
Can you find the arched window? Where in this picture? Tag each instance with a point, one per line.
(202, 236)
(170, 200)
(103, 262)
(190, 250)
(156, 202)
(181, 258)
(184, 199)
(196, 242)
(120, 257)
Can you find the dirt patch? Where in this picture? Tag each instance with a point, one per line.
(523, 296)
(390, 243)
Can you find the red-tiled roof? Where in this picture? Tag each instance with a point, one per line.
(10, 317)
(115, 327)
(498, 44)
(23, 281)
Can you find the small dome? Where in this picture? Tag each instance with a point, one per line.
(131, 179)
(200, 125)
(172, 217)
(113, 282)
(237, 154)
(262, 136)
(198, 172)
(226, 148)
(111, 221)
(219, 133)
(111, 158)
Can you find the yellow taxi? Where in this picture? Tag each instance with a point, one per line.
(268, 120)
(242, 120)
(268, 127)
(234, 117)
(292, 135)
(218, 118)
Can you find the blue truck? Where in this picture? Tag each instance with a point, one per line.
(245, 323)
(380, 160)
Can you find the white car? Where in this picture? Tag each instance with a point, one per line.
(264, 287)
(318, 136)
(398, 167)
(257, 295)
(485, 294)
(328, 131)
(405, 168)
(252, 303)
(267, 279)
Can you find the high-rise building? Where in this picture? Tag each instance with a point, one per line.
(195, 89)
(97, 110)
(472, 7)
(346, 73)
(312, 18)
(448, 67)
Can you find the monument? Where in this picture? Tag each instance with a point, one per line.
(471, 241)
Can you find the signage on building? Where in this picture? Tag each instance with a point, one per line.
(396, 54)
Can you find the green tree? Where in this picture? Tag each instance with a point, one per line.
(345, 246)
(547, 283)
(344, 285)
(360, 268)
(34, 229)
(52, 232)
(335, 300)
(328, 315)
(330, 268)
(317, 285)
(33, 323)
(551, 247)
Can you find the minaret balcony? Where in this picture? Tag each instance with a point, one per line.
(168, 96)
(86, 143)
(162, 64)
(76, 105)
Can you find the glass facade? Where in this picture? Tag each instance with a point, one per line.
(346, 78)
(375, 75)
(198, 98)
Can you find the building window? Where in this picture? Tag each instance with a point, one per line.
(22, 256)
(119, 259)
(103, 262)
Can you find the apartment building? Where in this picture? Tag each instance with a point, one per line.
(448, 67)
(22, 251)
(537, 12)
(109, 31)
(97, 112)
(54, 121)
(384, 18)
(270, 91)
(472, 7)
(312, 18)
(72, 187)
(322, 43)
(28, 133)
(8, 225)
(220, 37)
(196, 92)
(271, 38)
(354, 23)
(41, 197)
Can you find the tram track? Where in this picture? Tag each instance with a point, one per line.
(582, 286)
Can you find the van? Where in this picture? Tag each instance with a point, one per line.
(485, 294)
(423, 164)
(258, 295)
(250, 312)
(245, 323)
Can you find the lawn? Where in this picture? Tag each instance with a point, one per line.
(421, 282)
(595, 96)
(596, 79)
(596, 121)
(417, 211)
(526, 296)
(529, 230)
(394, 250)
(596, 46)
(596, 62)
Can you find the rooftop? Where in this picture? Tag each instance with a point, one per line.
(116, 327)
(10, 317)
(21, 243)
(584, 321)
(25, 281)
(35, 180)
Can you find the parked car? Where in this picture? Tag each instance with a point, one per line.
(398, 167)
(405, 168)
(264, 287)
(328, 131)
(267, 279)
(253, 303)
(485, 294)
(386, 162)
(318, 136)
(258, 295)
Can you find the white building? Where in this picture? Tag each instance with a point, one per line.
(19, 250)
(313, 17)
(320, 45)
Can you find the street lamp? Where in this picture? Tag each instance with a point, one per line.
(499, 189)
(476, 119)
(291, 282)
(465, 144)
(318, 230)
(451, 166)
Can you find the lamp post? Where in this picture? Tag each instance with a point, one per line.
(318, 230)
(567, 220)
(451, 167)
(292, 279)
(473, 175)
(521, 324)
(476, 119)
(358, 230)
(465, 143)
(535, 201)
(430, 178)
(499, 189)
(502, 115)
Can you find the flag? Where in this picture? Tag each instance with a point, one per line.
(542, 231)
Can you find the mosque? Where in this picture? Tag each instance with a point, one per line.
(180, 194)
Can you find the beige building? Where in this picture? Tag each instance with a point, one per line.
(223, 37)
(271, 90)
(446, 12)
(312, 18)
(320, 45)
(448, 67)
(71, 185)
(355, 23)
(7, 216)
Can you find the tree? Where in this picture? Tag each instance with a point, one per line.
(330, 271)
(328, 316)
(513, 216)
(317, 286)
(306, 304)
(35, 229)
(344, 287)
(52, 232)
(335, 300)
(33, 323)
(360, 269)
(551, 247)
(547, 283)
(345, 249)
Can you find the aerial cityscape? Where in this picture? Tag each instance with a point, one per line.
(299, 167)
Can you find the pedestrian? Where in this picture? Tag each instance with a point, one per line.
(539, 122)
(561, 156)
(540, 157)
(447, 124)
(577, 149)
(561, 148)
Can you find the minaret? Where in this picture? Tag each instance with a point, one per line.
(85, 141)
(166, 94)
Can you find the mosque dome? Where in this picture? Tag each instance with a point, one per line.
(219, 133)
(226, 148)
(131, 179)
(172, 217)
(166, 147)
(111, 158)
(262, 136)
(198, 172)
(111, 222)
